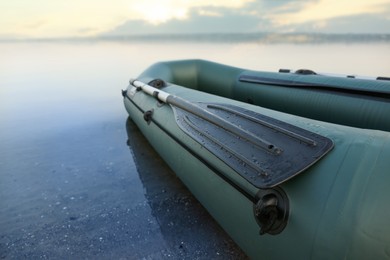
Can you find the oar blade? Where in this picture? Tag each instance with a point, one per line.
(296, 148)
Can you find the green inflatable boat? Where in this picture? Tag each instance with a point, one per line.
(293, 165)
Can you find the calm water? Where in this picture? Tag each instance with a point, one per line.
(76, 176)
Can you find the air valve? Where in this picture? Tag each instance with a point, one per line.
(271, 210)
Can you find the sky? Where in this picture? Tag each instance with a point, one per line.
(91, 18)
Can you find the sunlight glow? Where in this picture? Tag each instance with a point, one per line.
(160, 11)
(156, 11)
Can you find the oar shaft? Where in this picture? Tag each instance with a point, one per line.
(206, 115)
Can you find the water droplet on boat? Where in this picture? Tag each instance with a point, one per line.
(264, 174)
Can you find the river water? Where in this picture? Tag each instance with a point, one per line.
(77, 178)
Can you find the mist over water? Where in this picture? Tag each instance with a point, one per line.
(361, 54)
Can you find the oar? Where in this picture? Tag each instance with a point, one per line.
(263, 150)
(206, 115)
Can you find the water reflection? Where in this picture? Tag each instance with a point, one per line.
(74, 194)
(187, 228)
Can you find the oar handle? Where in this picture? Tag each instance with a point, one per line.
(159, 94)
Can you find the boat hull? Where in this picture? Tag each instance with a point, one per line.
(338, 208)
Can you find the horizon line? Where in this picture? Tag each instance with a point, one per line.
(261, 37)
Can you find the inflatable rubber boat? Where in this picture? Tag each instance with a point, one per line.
(293, 165)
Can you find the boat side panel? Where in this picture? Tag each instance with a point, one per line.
(351, 110)
(354, 224)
